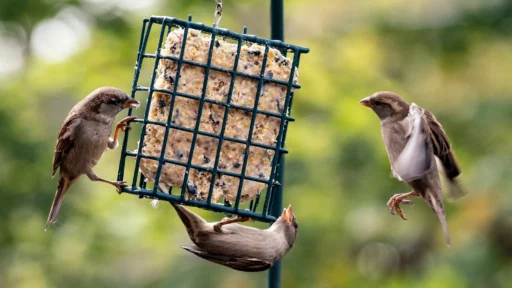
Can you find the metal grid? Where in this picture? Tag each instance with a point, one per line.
(168, 23)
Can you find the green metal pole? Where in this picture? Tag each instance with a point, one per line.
(277, 33)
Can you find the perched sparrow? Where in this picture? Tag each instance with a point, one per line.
(83, 138)
(412, 137)
(240, 247)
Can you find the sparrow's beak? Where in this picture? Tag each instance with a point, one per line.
(365, 102)
(288, 214)
(131, 103)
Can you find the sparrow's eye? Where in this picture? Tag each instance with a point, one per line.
(295, 224)
(377, 103)
(118, 101)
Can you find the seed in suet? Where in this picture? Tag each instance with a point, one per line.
(176, 116)
(192, 188)
(254, 52)
(162, 103)
(261, 175)
(179, 154)
(206, 159)
(236, 165)
(221, 185)
(217, 44)
(169, 78)
(216, 122)
(279, 106)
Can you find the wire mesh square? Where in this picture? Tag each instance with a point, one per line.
(215, 120)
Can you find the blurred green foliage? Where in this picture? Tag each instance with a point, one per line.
(452, 57)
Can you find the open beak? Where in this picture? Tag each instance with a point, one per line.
(288, 214)
(131, 103)
(365, 102)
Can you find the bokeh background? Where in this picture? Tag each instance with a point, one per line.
(453, 57)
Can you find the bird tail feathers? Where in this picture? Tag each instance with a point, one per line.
(62, 188)
(191, 220)
(438, 208)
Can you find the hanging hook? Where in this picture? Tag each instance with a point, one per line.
(218, 13)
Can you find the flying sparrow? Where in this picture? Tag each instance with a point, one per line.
(412, 137)
(83, 138)
(240, 247)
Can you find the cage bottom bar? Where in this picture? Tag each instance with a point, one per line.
(199, 204)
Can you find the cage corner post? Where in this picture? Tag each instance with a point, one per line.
(277, 33)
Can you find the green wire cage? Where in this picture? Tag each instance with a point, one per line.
(138, 185)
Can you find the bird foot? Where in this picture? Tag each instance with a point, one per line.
(396, 200)
(123, 124)
(119, 185)
(217, 227)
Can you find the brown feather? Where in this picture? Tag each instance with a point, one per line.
(442, 147)
(443, 150)
(236, 263)
(65, 141)
(62, 188)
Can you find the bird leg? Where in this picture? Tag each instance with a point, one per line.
(397, 199)
(217, 227)
(121, 126)
(119, 184)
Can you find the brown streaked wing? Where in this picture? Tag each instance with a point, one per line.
(237, 263)
(442, 146)
(65, 141)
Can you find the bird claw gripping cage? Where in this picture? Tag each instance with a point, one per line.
(216, 116)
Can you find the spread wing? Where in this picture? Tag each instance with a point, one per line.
(65, 141)
(416, 159)
(237, 263)
(442, 147)
(443, 150)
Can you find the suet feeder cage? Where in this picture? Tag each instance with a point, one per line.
(214, 127)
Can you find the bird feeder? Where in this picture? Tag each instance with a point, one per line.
(214, 127)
